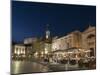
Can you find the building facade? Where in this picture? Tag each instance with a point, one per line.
(85, 40)
(89, 40)
(73, 39)
(40, 47)
(19, 51)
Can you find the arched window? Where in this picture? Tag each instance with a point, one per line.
(90, 39)
(91, 36)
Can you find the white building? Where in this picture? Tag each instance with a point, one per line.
(29, 40)
(19, 49)
(73, 39)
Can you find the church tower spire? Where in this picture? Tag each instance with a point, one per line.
(47, 32)
(48, 40)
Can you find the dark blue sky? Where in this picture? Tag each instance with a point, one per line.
(29, 19)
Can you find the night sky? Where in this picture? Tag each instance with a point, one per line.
(29, 19)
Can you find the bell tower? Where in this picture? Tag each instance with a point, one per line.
(48, 40)
(47, 35)
(47, 32)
